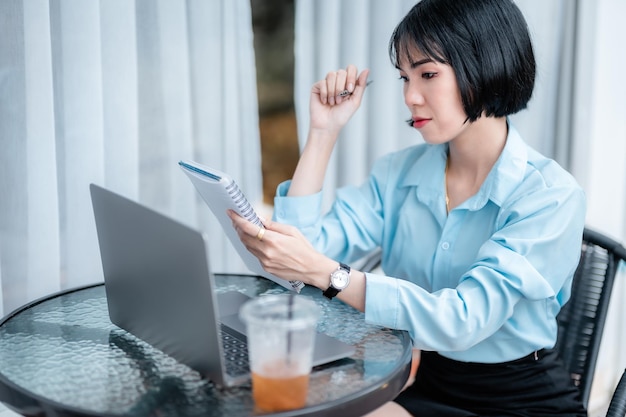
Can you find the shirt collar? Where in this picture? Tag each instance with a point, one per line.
(427, 172)
(509, 170)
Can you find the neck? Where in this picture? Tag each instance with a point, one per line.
(471, 157)
(474, 153)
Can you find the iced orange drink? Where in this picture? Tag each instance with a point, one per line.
(281, 334)
(278, 389)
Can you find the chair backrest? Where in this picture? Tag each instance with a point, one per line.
(617, 407)
(581, 321)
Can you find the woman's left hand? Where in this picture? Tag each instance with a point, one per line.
(283, 251)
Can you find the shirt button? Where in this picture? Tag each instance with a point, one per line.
(445, 246)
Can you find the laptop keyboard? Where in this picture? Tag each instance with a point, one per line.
(236, 352)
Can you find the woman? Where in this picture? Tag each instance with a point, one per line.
(468, 222)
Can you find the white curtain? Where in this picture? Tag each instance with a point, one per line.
(115, 92)
(576, 115)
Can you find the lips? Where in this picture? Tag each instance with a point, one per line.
(419, 122)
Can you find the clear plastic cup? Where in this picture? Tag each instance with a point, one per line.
(281, 333)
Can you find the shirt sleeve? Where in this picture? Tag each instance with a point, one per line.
(353, 226)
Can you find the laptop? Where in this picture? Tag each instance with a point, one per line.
(160, 288)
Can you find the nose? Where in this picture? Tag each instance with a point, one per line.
(413, 95)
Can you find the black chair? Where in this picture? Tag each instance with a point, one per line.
(617, 407)
(581, 321)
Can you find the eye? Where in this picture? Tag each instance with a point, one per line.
(429, 75)
(404, 78)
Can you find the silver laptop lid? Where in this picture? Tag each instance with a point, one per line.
(158, 282)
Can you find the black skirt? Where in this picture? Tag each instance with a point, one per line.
(531, 386)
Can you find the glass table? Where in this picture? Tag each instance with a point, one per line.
(61, 355)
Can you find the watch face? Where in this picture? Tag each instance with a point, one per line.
(340, 279)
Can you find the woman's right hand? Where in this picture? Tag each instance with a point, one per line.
(329, 111)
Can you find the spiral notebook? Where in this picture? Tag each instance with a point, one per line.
(220, 192)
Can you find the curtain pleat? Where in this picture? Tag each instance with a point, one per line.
(120, 96)
(206, 41)
(78, 109)
(540, 123)
(28, 154)
(42, 232)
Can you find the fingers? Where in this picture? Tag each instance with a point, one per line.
(338, 85)
(281, 228)
(351, 76)
(331, 85)
(246, 229)
(361, 83)
(251, 232)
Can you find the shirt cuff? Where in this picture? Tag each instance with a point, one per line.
(381, 300)
(302, 211)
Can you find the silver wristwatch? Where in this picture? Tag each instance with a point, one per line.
(339, 280)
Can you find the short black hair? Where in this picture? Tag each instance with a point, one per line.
(487, 44)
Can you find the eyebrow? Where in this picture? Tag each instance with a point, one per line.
(416, 64)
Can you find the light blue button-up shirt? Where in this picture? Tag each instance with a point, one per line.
(482, 284)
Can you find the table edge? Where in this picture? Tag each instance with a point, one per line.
(45, 298)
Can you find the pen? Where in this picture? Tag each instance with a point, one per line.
(346, 93)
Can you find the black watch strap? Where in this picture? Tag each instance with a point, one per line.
(330, 292)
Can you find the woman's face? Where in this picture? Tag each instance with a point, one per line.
(432, 95)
